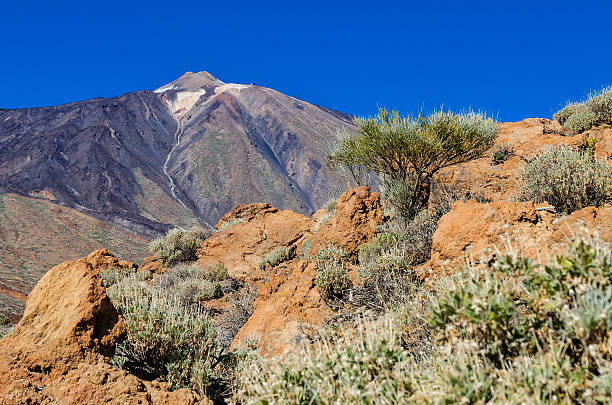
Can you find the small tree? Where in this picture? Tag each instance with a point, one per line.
(407, 151)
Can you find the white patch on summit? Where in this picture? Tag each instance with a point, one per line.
(184, 101)
(231, 86)
(165, 88)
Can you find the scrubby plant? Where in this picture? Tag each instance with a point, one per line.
(228, 224)
(239, 313)
(218, 272)
(501, 153)
(330, 206)
(275, 257)
(567, 179)
(305, 248)
(5, 326)
(332, 280)
(517, 332)
(581, 116)
(178, 246)
(165, 338)
(331, 254)
(407, 151)
(588, 146)
(4, 321)
(369, 369)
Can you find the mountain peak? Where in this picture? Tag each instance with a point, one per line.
(189, 81)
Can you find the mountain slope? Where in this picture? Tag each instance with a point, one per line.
(84, 175)
(184, 154)
(35, 233)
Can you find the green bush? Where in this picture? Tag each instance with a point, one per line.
(501, 153)
(579, 117)
(407, 151)
(567, 179)
(275, 257)
(178, 246)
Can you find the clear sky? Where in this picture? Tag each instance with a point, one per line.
(515, 59)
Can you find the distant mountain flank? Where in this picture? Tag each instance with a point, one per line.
(182, 154)
(116, 172)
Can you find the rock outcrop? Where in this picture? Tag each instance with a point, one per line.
(477, 232)
(59, 350)
(288, 298)
(358, 214)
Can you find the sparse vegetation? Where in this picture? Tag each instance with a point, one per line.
(169, 336)
(581, 116)
(517, 333)
(501, 153)
(407, 151)
(5, 326)
(178, 246)
(231, 223)
(305, 249)
(275, 257)
(332, 280)
(567, 179)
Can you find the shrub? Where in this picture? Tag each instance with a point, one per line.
(218, 272)
(501, 153)
(567, 179)
(239, 313)
(178, 246)
(588, 146)
(330, 206)
(332, 280)
(231, 223)
(275, 257)
(514, 333)
(408, 151)
(371, 369)
(305, 248)
(5, 326)
(164, 338)
(579, 117)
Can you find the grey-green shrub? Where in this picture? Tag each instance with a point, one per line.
(567, 179)
(371, 369)
(331, 205)
(275, 257)
(332, 280)
(581, 116)
(501, 153)
(515, 333)
(164, 338)
(305, 248)
(231, 223)
(178, 246)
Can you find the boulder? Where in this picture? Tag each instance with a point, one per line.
(59, 350)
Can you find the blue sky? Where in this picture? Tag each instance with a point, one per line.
(515, 59)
